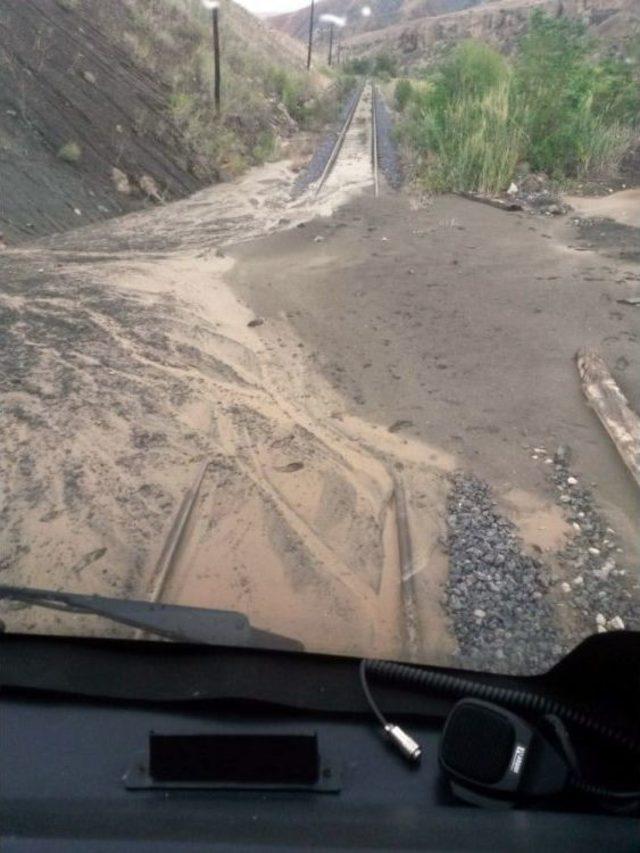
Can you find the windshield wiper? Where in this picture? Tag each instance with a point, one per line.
(186, 624)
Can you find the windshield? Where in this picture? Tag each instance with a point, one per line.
(325, 314)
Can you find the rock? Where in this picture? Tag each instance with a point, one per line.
(479, 614)
(513, 189)
(398, 425)
(565, 587)
(252, 324)
(149, 187)
(605, 570)
(571, 481)
(601, 629)
(615, 624)
(318, 239)
(600, 620)
(562, 455)
(578, 580)
(291, 468)
(121, 181)
(89, 77)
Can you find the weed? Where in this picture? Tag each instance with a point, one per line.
(403, 94)
(557, 106)
(266, 147)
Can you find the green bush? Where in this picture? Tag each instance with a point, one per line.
(465, 126)
(359, 67)
(265, 148)
(563, 92)
(403, 94)
(556, 105)
(294, 91)
(616, 87)
(70, 152)
(384, 65)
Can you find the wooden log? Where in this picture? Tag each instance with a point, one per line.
(499, 203)
(612, 407)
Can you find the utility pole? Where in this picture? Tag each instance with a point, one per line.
(311, 22)
(333, 21)
(214, 6)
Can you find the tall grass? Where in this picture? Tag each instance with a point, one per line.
(466, 127)
(554, 106)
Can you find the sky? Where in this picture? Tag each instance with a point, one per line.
(272, 7)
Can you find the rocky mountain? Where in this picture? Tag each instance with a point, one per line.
(384, 13)
(105, 107)
(417, 30)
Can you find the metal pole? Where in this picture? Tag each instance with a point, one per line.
(330, 45)
(339, 47)
(311, 21)
(216, 60)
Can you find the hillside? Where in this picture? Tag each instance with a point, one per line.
(106, 106)
(416, 31)
(385, 13)
(500, 23)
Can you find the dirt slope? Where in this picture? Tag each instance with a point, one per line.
(87, 87)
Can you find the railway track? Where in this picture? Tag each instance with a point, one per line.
(355, 155)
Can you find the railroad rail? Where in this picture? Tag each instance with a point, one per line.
(334, 157)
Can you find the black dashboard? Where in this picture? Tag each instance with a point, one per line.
(75, 715)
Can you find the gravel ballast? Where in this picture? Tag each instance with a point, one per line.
(388, 157)
(496, 596)
(602, 593)
(509, 612)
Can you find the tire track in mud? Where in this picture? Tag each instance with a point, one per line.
(390, 612)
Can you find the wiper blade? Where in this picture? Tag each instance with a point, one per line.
(186, 624)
